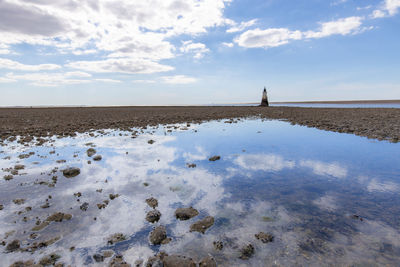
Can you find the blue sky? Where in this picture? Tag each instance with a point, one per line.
(165, 52)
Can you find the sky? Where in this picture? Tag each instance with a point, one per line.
(185, 52)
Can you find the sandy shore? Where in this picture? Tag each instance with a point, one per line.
(378, 123)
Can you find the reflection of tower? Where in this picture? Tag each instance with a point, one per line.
(264, 100)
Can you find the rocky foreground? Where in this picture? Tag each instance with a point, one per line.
(377, 123)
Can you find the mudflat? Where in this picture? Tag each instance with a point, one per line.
(377, 123)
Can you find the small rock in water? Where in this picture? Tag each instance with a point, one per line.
(186, 213)
(208, 262)
(84, 206)
(151, 142)
(91, 151)
(357, 217)
(191, 165)
(265, 237)
(177, 260)
(19, 201)
(8, 177)
(113, 196)
(13, 246)
(1, 207)
(71, 172)
(158, 235)
(115, 238)
(218, 245)
(202, 225)
(246, 252)
(50, 260)
(214, 158)
(153, 216)
(19, 167)
(118, 261)
(98, 257)
(97, 158)
(152, 202)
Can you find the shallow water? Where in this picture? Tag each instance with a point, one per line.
(352, 105)
(327, 198)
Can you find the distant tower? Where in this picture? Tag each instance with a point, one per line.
(264, 100)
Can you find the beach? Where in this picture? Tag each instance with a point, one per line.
(376, 123)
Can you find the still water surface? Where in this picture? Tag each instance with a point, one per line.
(327, 198)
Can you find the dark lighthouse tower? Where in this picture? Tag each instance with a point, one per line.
(264, 100)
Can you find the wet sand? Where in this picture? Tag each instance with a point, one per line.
(377, 123)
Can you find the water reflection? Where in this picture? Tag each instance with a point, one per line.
(263, 183)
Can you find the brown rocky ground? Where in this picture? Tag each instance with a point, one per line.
(378, 123)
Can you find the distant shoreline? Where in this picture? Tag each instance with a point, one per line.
(342, 102)
(394, 101)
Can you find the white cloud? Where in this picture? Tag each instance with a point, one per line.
(6, 80)
(137, 33)
(322, 168)
(108, 80)
(381, 186)
(267, 38)
(378, 14)
(178, 79)
(144, 81)
(274, 37)
(387, 8)
(263, 162)
(227, 44)
(124, 65)
(78, 74)
(198, 49)
(392, 6)
(242, 26)
(46, 79)
(342, 26)
(14, 65)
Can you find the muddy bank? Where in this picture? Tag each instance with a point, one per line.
(378, 123)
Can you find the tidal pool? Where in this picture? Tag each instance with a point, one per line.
(326, 198)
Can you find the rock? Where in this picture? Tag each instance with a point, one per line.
(191, 165)
(115, 238)
(28, 263)
(8, 177)
(79, 194)
(357, 217)
(84, 206)
(218, 245)
(186, 213)
(151, 142)
(158, 235)
(113, 196)
(208, 262)
(55, 217)
(202, 225)
(178, 261)
(118, 261)
(19, 167)
(108, 253)
(246, 252)
(13, 246)
(71, 172)
(90, 152)
(1, 207)
(152, 202)
(19, 201)
(265, 237)
(153, 216)
(98, 257)
(45, 206)
(214, 158)
(49, 260)
(97, 158)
